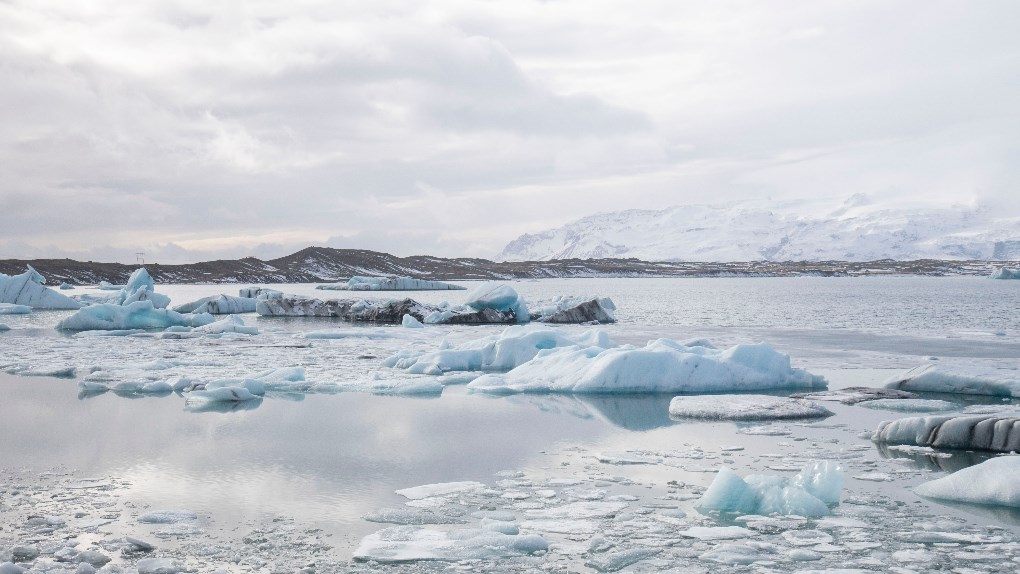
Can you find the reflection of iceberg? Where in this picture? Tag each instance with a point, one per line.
(222, 406)
(631, 412)
(930, 459)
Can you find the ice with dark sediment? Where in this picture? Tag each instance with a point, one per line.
(744, 407)
(29, 289)
(359, 283)
(997, 433)
(136, 315)
(218, 305)
(959, 379)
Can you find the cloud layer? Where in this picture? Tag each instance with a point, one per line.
(205, 129)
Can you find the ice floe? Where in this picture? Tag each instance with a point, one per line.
(137, 315)
(911, 405)
(809, 493)
(12, 309)
(981, 432)
(854, 395)
(218, 305)
(411, 543)
(942, 378)
(29, 289)
(744, 407)
(992, 483)
(662, 366)
(358, 283)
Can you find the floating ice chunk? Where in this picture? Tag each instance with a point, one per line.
(409, 322)
(910, 405)
(806, 494)
(733, 554)
(62, 372)
(220, 395)
(410, 544)
(1005, 273)
(65, 286)
(662, 366)
(231, 324)
(359, 333)
(107, 286)
(12, 309)
(131, 387)
(219, 305)
(568, 309)
(614, 561)
(982, 432)
(259, 293)
(168, 516)
(580, 510)
(137, 315)
(500, 297)
(854, 395)
(991, 483)
(158, 566)
(744, 407)
(358, 283)
(439, 489)
(716, 532)
(411, 516)
(941, 378)
(513, 347)
(28, 289)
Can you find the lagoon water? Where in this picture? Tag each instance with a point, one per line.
(324, 461)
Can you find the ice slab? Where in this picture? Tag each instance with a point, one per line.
(1005, 273)
(808, 494)
(911, 405)
(998, 433)
(28, 289)
(854, 395)
(231, 324)
(662, 366)
(136, 315)
(943, 378)
(411, 544)
(218, 305)
(439, 489)
(991, 483)
(358, 283)
(12, 309)
(744, 407)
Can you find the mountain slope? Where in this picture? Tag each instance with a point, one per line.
(856, 230)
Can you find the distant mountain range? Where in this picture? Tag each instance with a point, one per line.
(855, 230)
(324, 264)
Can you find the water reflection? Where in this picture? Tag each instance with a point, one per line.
(222, 406)
(629, 412)
(938, 461)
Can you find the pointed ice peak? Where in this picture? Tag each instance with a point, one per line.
(34, 276)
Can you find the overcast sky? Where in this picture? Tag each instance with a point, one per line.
(201, 129)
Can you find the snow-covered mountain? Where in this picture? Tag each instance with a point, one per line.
(854, 230)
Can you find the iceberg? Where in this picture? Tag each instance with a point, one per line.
(409, 322)
(107, 286)
(854, 395)
(744, 408)
(12, 309)
(141, 288)
(991, 483)
(28, 289)
(358, 283)
(231, 324)
(567, 309)
(512, 348)
(498, 297)
(662, 366)
(933, 378)
(65, 286)
(998, 433)
(1005, 273)
(136, 315)
(259, 293)
(807, 494)
(219, 305)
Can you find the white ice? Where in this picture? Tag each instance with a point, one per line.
(1005, 273)
(809, 493)
(28, 289)
(943, 378)
(439, 489)
(991, 483)
(662, 366)
(411, 543)
(230, 324)
(137, 315)
(744, 407)
(358, 283)
(219, 305)
(13, 309)
(409, 322)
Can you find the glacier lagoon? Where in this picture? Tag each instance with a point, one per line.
(286, 482)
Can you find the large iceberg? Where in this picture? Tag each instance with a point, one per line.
(937, 378)
(982, 432)
(807, 494)
(1005, 273)
(358, 283)
(513, 347)
(28, 289)
(137, 315)
(662, 366)
(219, 305)
(744, 407)
(500, 297)
(991, 483)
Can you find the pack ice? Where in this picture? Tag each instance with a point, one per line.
(992, 483)
(136, 315)
(661, 366)
(807, 494)
(28, 289)
(981, 432)
(358, 283)
(744, 407)
(937, 378)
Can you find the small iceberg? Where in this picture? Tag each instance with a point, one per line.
(499, 297)
(12, 309)
(990, 483)
(29, 289)
(358, 283)
(997, 433)
(1005, 273)
(940, 378)
(219, 305)
(744, 408)
(136, 315)
(139, 287)
(807, 494)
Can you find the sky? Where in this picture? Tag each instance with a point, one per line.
(194, 130)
